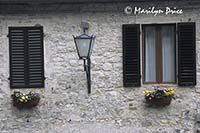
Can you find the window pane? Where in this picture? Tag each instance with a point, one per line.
(150, 54)
(168, 51)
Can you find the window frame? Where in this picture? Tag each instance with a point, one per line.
(159, 71)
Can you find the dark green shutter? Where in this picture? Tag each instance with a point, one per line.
(17, 57)
(186, 54)
(35, 57)
(26, 57)
(131, 55)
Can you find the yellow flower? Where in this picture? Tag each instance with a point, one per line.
(169, 92)
(147, 93)
(21, 100)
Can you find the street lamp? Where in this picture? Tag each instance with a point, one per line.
(84, 45)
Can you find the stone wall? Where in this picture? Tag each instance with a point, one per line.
(65, 105)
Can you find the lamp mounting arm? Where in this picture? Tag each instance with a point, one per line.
(85, 26)
(84, 30)
(87, 63)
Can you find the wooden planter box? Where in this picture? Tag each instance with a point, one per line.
(161, 101)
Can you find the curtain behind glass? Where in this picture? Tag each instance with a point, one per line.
(150, 54)
(168, 52)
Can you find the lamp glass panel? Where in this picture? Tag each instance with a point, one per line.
(83, 46)
(92, 44)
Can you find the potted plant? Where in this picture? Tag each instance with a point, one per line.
(21, 100)
(159, 97)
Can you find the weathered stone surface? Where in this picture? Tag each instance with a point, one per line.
(65, 105)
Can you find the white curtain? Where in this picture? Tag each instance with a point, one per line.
(150, 54)
(168, 54)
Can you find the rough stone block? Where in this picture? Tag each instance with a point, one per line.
(198, 130)
(198, 117)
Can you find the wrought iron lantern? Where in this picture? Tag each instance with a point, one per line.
(84, 45)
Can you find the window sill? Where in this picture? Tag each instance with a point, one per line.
(159, 85)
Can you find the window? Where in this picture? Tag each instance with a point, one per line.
(26, 57)
(159, 53)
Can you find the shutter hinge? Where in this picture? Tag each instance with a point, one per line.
(8, 35)
(44, 78)
(9, 78)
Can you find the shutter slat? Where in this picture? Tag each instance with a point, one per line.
(131, 55)
(186, 54)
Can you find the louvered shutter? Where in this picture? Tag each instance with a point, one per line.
(131, 55)
(26, 57)
(35, 57)
(17, 57)
(186, 54)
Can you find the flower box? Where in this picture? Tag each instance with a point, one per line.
(22, 101)
(159, 101)
(159, 97)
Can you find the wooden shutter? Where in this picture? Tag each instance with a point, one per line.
(35, 57)
(131, 55)
(17, 57)
(186, 54)
(26, 57)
